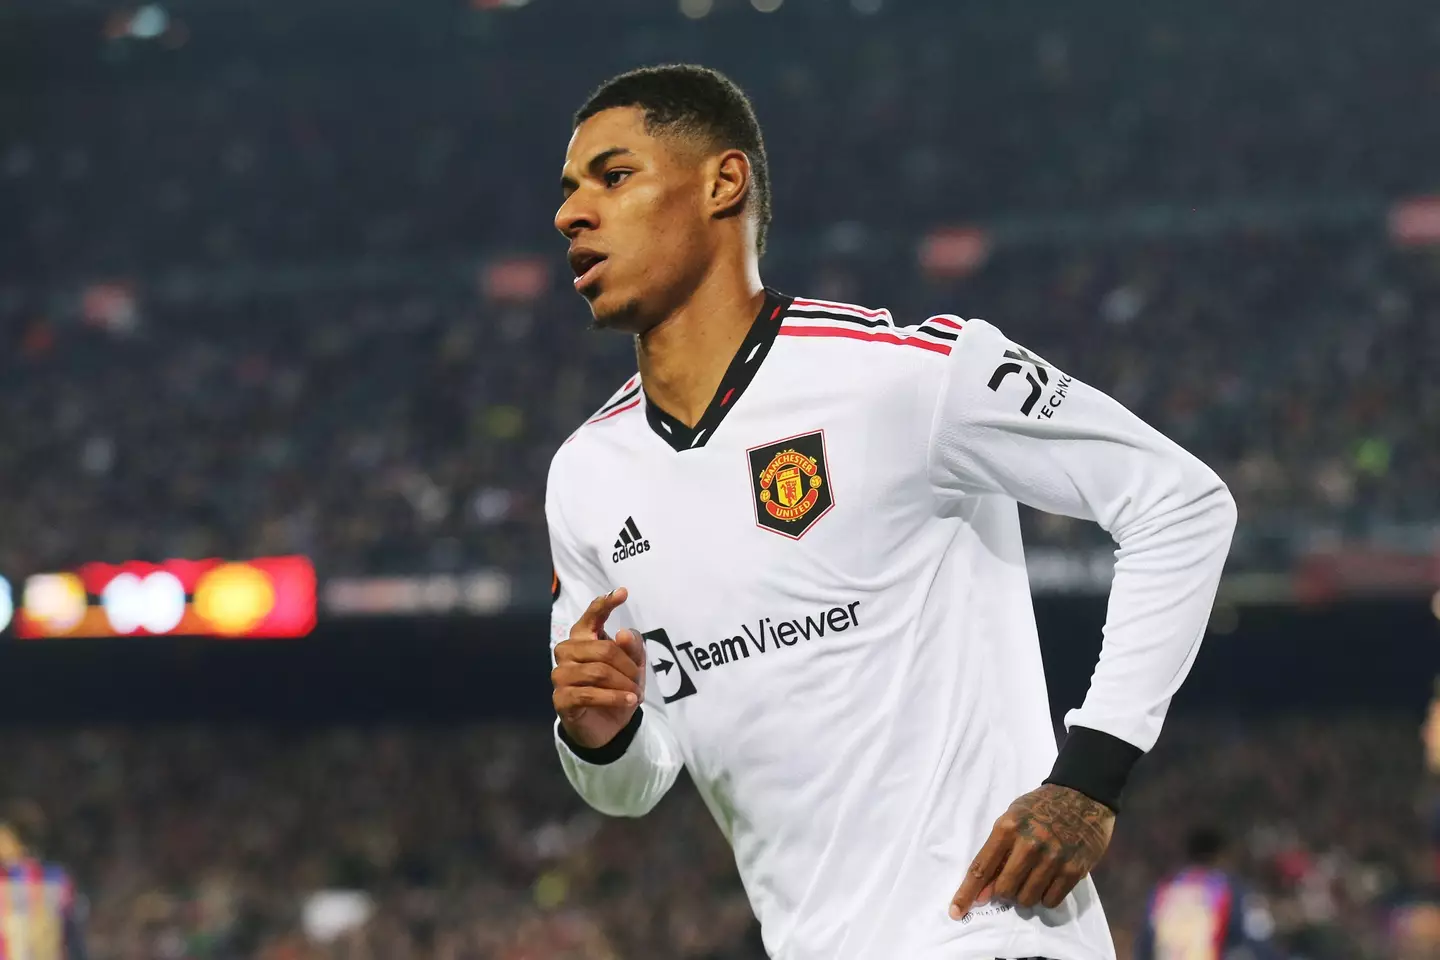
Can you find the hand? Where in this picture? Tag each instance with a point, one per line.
(1038, 850)
(598, 681)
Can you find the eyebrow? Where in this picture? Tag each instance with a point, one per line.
(596, 162)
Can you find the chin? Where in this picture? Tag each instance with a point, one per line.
(617, 313)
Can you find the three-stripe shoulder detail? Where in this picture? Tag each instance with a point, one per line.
(829, 318)
(625, 399)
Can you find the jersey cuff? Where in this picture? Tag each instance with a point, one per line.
(1096, 764)
(607, 753)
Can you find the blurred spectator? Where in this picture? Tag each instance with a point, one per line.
(410, 429)
(468, 843)
(1204, 910)
(41, 915)
(248, 310)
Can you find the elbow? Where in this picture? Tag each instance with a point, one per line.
(1196, 506)
(627, 797)
(630, 803)
(1210, 517)
(1221, 510)
(1192, 502)
(640, 809)
(630, 808)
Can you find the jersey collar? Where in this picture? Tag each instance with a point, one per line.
(737, 377)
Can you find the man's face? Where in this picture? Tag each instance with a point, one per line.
(634, 215)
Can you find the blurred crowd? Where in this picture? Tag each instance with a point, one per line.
(247, 300)
(410, 429)
(254, 300)
(467, 844)
(300, 136)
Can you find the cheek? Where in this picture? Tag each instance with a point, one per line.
(670, 220)
(683, 234)
(668, 245)
(665, 239)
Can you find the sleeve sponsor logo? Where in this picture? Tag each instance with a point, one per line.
(1038, 378)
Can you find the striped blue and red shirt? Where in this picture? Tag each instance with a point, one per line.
(38, 917)
(1197, 914)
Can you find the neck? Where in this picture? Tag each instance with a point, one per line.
(684, 357)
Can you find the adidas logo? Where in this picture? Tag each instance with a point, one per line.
(629, 542)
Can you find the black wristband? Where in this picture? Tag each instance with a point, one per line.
(1096, 764)
(610, 752)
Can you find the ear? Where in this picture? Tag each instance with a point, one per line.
(729, 183)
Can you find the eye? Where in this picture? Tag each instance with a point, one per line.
(613, 178)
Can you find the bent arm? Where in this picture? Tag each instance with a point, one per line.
(627, 776)
(1009, 423)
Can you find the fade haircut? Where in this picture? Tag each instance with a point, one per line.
(692, 101)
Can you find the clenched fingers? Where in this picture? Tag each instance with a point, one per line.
(1060, 887)
(605, 652)
(1045, 869)
(593, 674)
(633, 645)
(568, 699)
(1024, 855)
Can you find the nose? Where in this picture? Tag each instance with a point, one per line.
(574, 215)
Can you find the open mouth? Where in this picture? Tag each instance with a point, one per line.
(586, 265)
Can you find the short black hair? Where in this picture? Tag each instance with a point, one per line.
(693, 101)
(1204, 845)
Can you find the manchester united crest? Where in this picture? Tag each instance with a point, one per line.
(790, 482)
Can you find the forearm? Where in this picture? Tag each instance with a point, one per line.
(1167, 570)
(629, 775)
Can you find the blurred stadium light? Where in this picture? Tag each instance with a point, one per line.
(263, 597)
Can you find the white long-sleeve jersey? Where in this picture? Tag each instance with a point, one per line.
(828, 573)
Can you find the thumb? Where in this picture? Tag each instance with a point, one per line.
(634, 646)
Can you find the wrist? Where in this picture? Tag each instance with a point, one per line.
(607, 752)
(1096, 764)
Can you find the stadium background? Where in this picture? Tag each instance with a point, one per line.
(278, 288)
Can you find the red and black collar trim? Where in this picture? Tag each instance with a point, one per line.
(737, 377)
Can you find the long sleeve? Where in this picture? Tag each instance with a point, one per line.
(629, 781)
(1008, 423)
(629, 775)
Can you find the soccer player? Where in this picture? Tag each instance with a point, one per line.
(1201, 913)
(39, 912)
(787, 558)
